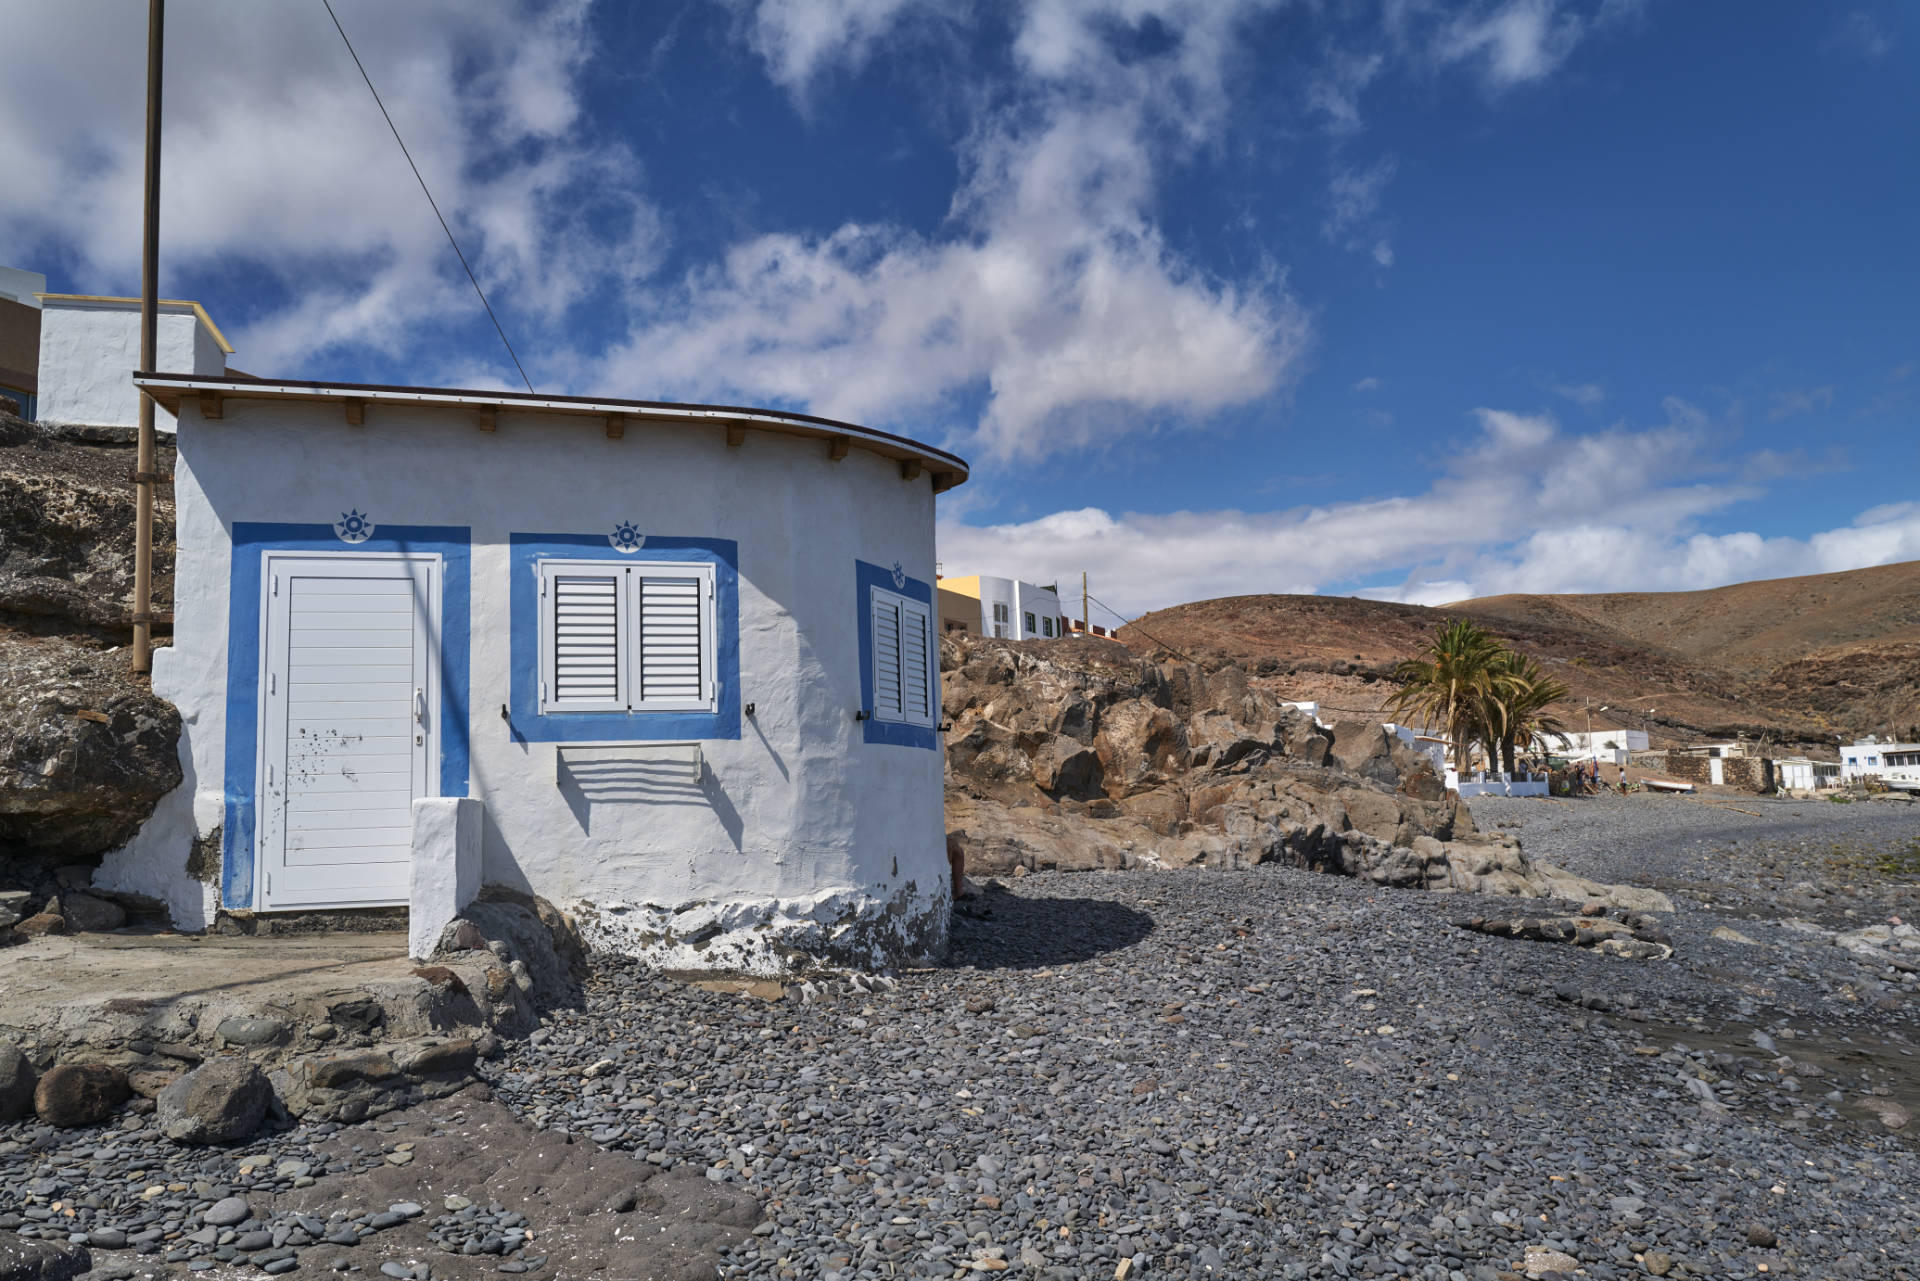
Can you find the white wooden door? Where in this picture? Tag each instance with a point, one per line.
(350, 673)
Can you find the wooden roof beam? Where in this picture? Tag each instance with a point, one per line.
(210, 406)
(837, 447)
(616, 426)
(736, 435)
(910, 469)
(486, 417)
(356, 412)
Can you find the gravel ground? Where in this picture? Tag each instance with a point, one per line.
(1749, 856)
(1270, 1073)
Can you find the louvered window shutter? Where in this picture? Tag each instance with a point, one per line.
(585, 620)
(674, 643)
(886, 656)
(916, 668)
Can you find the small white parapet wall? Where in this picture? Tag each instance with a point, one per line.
(446, 868)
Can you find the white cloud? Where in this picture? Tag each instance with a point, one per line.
(278, 164)
(1353, 208)
(1051, 295)
(1860, 33)
(1799, 400)
(1585, 394)
(1514, 43)
(1368, 383)
(802, 39)
(1524, 506)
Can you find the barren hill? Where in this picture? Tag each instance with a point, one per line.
(1751, 626)
(1803, 659)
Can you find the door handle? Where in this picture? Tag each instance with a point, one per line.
(419, 706)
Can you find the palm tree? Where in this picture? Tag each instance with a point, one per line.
(1516, 709)
(1449, 684)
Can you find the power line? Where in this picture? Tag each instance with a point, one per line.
(429, 195)
(1128, 622)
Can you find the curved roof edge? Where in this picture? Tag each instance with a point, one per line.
(947, 470)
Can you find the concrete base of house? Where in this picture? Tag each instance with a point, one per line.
(848, 928)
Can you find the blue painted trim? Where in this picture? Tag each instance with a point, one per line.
(250, 539)
(529, 725)
(892, 733)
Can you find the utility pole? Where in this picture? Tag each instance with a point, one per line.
(1086, 628)
(149, 292)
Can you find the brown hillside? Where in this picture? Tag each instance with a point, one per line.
(1752, 626)
(1802, 659)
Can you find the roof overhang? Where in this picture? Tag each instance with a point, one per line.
(915, 458)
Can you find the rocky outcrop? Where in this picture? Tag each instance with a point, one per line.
(1078, 754)
(66, 527)
(85, 748)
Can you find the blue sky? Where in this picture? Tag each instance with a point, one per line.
(1410, 299)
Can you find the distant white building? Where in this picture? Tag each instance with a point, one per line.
(1896, 764)
(1801, 774)
(1610, 745)
(982, 605)
(90, 348)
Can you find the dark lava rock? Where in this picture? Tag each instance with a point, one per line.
(80, 1093)
(17, 1078)
(85, 747)
(221, 1101)
(84, 912)
(25, 1260)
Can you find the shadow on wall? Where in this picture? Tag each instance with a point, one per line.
(640, 781)
(1001, 931)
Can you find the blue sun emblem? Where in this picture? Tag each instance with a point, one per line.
(626, 537)
(353, 526)
(899, 576)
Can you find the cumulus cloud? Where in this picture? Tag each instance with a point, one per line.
(1051, 295)
(1526, 506)
(278, 167)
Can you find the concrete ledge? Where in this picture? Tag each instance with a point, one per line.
(446, 868)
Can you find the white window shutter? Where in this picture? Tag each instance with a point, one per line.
(886, 656)
(916, 668)
(670, 639)
(586, 621)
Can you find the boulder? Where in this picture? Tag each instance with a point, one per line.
(80, 1093)
(85, 748)
(17, 1079)
(41, 923)
(221, 1101)
(25, 1259)
(87, 914)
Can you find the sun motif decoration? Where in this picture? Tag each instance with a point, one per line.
(353, 526)
(627, 538)
(899, 576)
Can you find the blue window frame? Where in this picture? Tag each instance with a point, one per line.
(714, 557)
(871, 584)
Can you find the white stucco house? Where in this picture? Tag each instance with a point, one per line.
(90, 346)
(672, 667)
(1004, 607)
(1895, 764)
